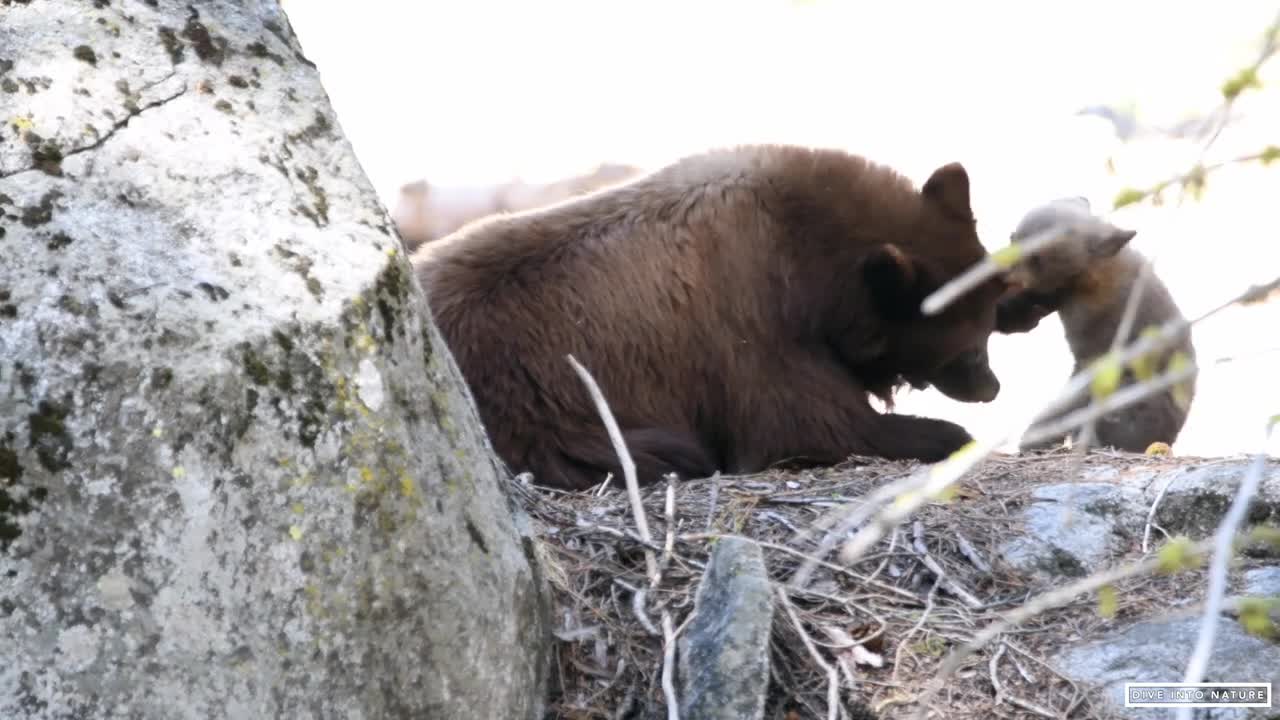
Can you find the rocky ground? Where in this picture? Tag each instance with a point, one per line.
(1018, 527)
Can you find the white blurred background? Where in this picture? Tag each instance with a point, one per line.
(475, 92)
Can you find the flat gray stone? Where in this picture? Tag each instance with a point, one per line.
(724, 653)
(1074, 529)
(1158, 652)
(1262, 581)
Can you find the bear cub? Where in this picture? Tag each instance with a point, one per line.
(1086, 278)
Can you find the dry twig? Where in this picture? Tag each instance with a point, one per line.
(834, 709)
(668, 667)
(922, 549)
(624, 457)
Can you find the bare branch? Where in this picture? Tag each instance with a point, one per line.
(1151, 513)
(994, 670)
(624, 456)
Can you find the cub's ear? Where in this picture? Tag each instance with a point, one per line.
(893, 280)
(1079, 201)
(1108, 241)
(948, 187)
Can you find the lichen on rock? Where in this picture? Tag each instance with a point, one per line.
(222, 489)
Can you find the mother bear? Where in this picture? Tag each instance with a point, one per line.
(737, 308)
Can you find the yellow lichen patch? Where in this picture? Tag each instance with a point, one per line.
(392, 252)
(366, 474)
(157, 432)
(314, 598)
(352, 488)
(21, 124)
(366, 343)
(1159, 448)
(179, 472)
(407, 487)
(295, 532)
(297, 508)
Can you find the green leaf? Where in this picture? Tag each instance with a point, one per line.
(1127, 196)
(1181, 391)
(1144, 366)
(1241, 81)
(1177, 555)
(1255, 616)
(1007, 257)
(1194, 181)
(1106, 376)
(1107, 602)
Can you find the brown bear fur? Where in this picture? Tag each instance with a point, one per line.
(1087, 278)
(968, 378)
(736, 308)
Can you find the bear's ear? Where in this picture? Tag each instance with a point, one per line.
(1109, 241)
(893, 280)
(948, 187)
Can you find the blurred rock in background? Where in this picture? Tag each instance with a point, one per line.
(425, 212)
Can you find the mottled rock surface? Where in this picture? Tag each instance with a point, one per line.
(1073, 529)
(1263, 581)
(239, 473)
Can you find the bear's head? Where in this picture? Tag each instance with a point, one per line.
(968, 378)
(901, 274)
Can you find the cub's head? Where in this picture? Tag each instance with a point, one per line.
(900, 275)
(1058, 266)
